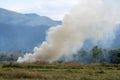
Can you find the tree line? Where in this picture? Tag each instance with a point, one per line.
(5, 56)
(94, 55)
(99, 55)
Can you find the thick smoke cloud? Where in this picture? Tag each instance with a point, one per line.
(89, 19)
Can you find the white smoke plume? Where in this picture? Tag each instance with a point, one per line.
(88, 19)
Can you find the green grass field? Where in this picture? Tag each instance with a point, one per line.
(59, 71)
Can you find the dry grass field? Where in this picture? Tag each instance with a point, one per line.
(59, 71)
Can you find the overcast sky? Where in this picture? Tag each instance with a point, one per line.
(54, 9)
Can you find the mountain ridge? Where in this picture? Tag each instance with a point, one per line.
(12, 17)
(22, 32)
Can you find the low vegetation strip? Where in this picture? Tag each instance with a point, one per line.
(59, 71)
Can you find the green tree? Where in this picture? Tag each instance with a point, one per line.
(96, 51)
(115, 57)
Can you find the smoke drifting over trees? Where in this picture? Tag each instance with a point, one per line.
(90, 19)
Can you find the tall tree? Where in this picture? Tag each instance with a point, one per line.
(96, 53)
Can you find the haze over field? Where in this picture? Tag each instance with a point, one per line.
(90, 19)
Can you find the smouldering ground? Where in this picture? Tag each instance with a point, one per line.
(59, 71)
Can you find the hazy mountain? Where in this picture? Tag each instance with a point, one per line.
(88, 44)
(10, 17)
(116, 42)
(22, 32)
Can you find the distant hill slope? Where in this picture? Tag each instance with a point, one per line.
(22, 32)
(88, 44)
(10, 17)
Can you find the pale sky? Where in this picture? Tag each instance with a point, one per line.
(54, 9)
